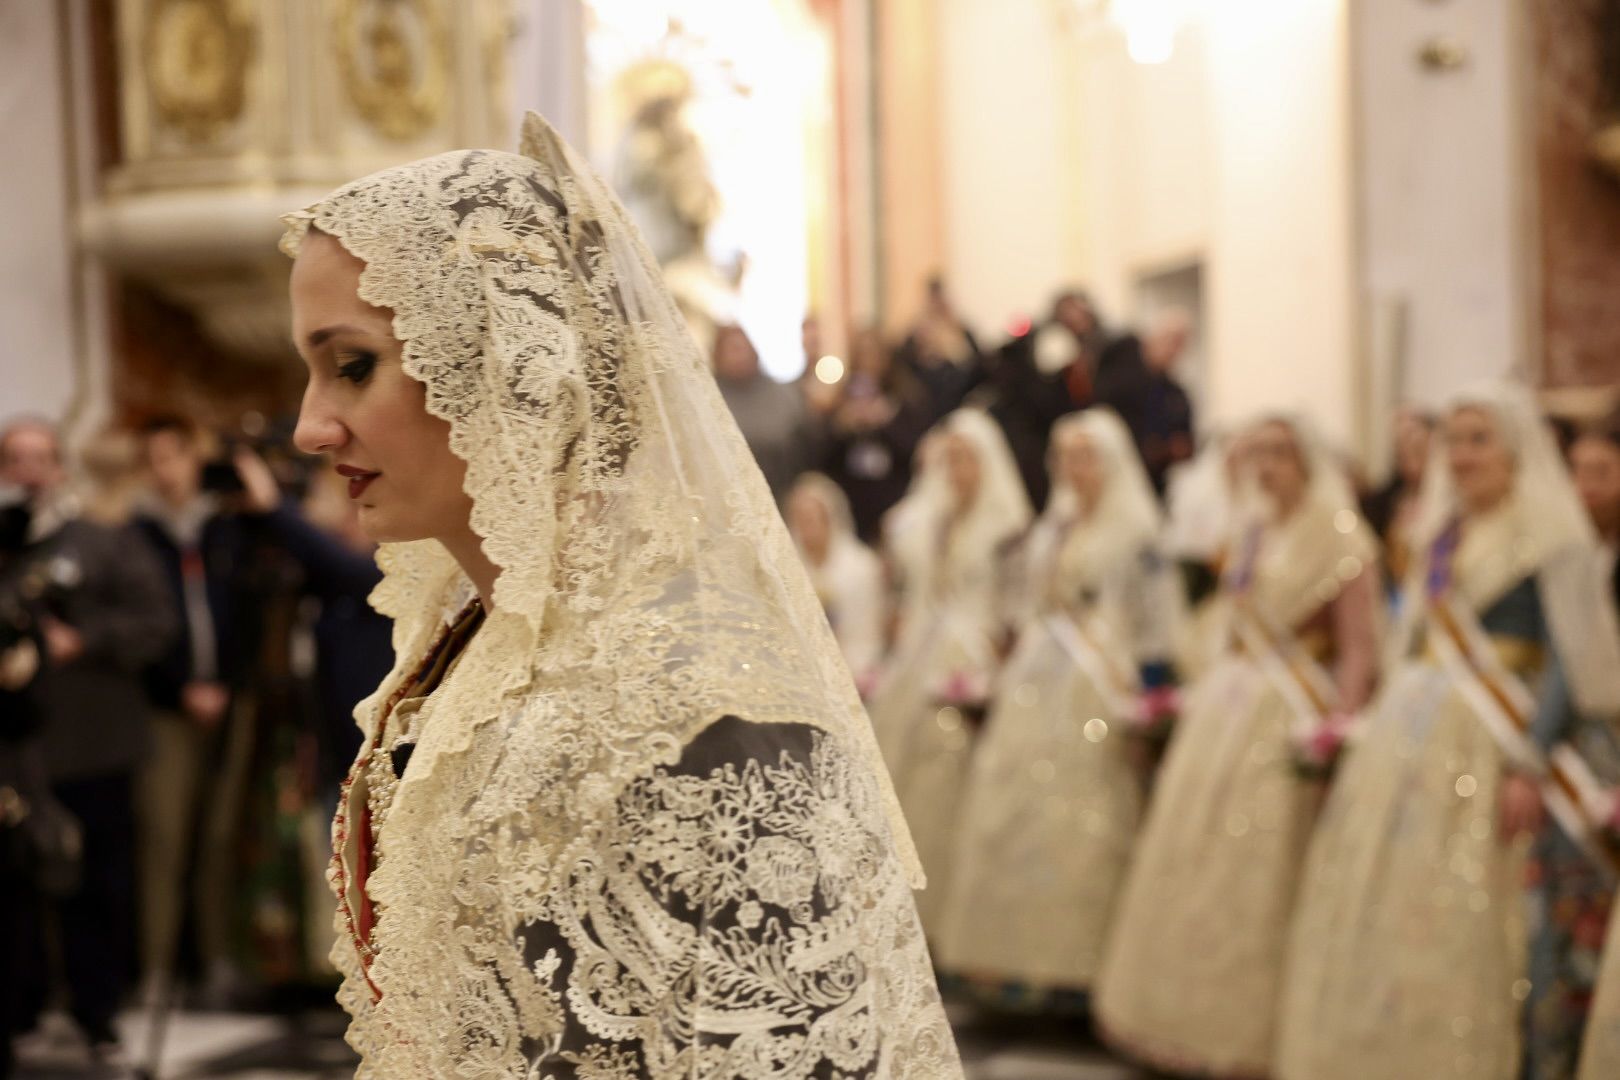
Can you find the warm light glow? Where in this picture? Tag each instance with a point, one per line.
(1150, 27)
(760, 78)
(829, 369)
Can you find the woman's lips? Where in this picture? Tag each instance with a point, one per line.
(359, 479)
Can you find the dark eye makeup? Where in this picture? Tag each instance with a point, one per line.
(356, 366)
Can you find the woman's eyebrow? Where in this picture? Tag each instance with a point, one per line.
(319, 337)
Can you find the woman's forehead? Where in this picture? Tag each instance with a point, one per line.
(325, 290)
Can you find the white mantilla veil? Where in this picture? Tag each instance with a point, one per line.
(999, 511)
(1127, 505)
(1097, 545)
(1322, 546)
(648, 588)
(1544, 530)
(1543, 495)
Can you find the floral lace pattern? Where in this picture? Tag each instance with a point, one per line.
(560, 892)
(758, 874)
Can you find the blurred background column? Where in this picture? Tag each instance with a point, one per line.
(44, 349)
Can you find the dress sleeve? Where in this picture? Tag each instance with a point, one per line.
(738, 918)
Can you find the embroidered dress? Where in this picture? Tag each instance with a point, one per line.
(1192, 973)
(643, 830)
(1052, 801)
(1408, 951)
(947, 655)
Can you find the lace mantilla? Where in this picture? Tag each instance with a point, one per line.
(563, 889)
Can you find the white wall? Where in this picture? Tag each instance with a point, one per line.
(1441, 171)
(1282, 327)
(38, 333)
(1002, 140)
(1144, 164)
(1235, 153)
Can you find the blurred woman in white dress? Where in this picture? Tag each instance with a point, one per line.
(1200, 520)
(847, 575)
(1191, 977)
(1053, 800)
(948, 542)
(1408, 953)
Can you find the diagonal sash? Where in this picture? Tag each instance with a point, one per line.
(1101, 667)
(1575, 797)
(1292, 671)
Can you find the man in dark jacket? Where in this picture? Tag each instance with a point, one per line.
(202, 549)
(1136, 377)
(1041, 375)
(106, 615)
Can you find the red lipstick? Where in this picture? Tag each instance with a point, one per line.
(359, 479)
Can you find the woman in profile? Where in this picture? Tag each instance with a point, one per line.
(945, 543)
(618, 812)
(1052, 800)
(1408, 954)
(1190, 980)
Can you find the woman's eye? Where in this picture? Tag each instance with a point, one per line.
(356, 366)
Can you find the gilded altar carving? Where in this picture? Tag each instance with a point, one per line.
(394, 57)
(197, 62)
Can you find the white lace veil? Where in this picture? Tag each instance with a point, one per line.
(1551, 535)
(1321, 546)
(1127, 505)
(634, 532)
(1125, 520)
(1544, 496)
(1000, 509)
(648, 592)
(1328, 484)
(840, 519)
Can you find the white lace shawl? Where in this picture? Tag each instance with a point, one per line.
(645, 831)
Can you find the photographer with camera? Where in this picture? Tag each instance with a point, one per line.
(189, 518)
(95, 613)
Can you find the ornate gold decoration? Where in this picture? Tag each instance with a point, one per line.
(395, 59)
(1443, 54)
(197, 54)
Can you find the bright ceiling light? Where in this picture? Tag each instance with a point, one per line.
(1149, 26)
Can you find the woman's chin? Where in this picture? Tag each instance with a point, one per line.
(377, 527)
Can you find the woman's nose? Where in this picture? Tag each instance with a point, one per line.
(318, 432)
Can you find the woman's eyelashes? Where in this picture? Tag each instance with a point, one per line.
(356, 366)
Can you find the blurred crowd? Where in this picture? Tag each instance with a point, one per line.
(1260, 769)
(1254, 766)
(185, 634)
